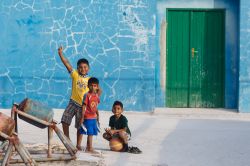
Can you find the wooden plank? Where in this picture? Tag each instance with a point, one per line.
(8, 154)
(50, 136)
(4, 135)
(64, 141)
(33, 118)
(4, 144)
(67, 140)
(22, 154)
(14, 115)
(62, 158)
(30, 158)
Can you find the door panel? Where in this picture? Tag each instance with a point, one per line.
(197, 44)
(213, 60)
(177, 59)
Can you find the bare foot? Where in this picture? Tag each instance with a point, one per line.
(92, 151)
(80, 148)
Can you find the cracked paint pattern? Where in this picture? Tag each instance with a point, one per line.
(244, 68)
(117, 37)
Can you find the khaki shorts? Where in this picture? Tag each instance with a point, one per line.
(72, 110)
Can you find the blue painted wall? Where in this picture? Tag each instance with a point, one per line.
(117, 37)
(232, 36)
(244, 59)
(232, 50)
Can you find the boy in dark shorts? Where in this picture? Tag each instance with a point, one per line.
(79, 88)
(118, 124)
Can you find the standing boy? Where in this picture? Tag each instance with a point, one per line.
(90, 114)
(79, 88)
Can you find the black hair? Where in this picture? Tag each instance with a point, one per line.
(118, 103)
(82, 60)
(93, 80)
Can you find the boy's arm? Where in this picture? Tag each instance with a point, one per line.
(64, 60)
(112, 131)
(84, 105)
(83, 112)
(97, 113)
(99, 91)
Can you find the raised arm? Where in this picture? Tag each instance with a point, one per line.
(99, 92)
(64, 60)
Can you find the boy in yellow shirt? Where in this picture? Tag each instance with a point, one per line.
(79, 88)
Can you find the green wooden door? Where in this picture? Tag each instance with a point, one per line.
(178, 61)
(195, 58)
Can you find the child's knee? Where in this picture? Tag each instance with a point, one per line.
(65, 125)
(123, 135)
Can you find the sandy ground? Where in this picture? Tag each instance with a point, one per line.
(167, 137)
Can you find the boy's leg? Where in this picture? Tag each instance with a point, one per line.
(90, 143)
(79, 140)
(91, 131)
(65, 129)
(124, 136)
(67, 118)
(78, 113)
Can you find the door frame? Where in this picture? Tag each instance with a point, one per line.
(224, 45)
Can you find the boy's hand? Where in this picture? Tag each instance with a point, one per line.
(108, 130)
(82, 120)
(112, 132)
(60, 50)
(99, 91)
(64, 60)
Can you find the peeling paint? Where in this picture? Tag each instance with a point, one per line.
(113, 35)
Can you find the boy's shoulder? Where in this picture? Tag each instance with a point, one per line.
(75, 72)
(122, 117)
(86, 95)
(112, 117)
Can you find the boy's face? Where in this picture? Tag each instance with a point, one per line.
(83, 69)
(117, 110)
(93, 87)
